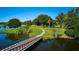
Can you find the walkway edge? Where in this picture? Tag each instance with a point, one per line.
(23, 42)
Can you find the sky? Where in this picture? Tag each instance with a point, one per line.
(30, 13)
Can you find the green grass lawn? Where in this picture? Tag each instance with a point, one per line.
(34, 30)
(48, 33)
(60, 31)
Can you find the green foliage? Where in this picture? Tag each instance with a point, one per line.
(23, 30)
(48, 33)
(60, 19)
(34, 31)
(42, 19)
(4, 24)
(8, 31)
(29, 22)
(72, 23)
(14, 23)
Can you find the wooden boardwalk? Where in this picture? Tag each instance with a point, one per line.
(23, 45)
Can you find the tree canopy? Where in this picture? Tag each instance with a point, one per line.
(72, 23)
(42, 19)
(29, 22)
(14, 23)
(60, 19)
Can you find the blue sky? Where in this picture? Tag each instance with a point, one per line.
(29, 13)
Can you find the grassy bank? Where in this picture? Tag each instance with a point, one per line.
(51, 31)
(48, 33)
(22, 29)
(34, 30)
(8, 31)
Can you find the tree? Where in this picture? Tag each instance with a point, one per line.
(42, 19)
(72, 23)
(29, 22)
(14, 23)
(60, 19)
(38, 23)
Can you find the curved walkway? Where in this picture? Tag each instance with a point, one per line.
(23, 45)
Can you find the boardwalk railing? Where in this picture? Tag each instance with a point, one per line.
(23, 45)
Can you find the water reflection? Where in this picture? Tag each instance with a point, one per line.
(16, 37)
(5, 42)
(9, 39)
(56, 45)
(65, 44)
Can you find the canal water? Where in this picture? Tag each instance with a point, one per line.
(55, 45)
(9, 39)
(3, 28)
(43, 45)
(4, 41)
